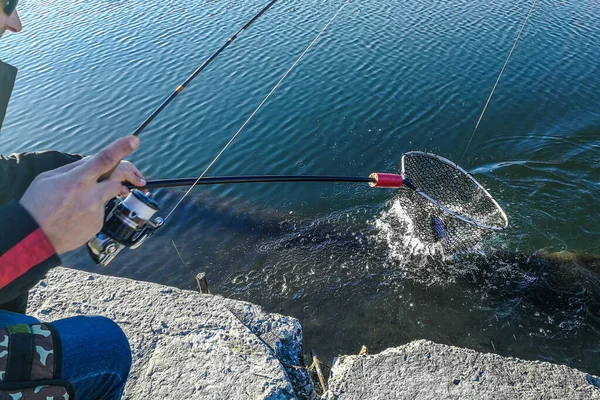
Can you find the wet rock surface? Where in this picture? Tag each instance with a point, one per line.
(187, 345)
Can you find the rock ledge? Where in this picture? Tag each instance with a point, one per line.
(187, 345)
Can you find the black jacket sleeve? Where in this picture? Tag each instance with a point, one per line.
(18, 170)
(26, 255)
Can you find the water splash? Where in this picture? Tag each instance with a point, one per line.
(426, 245)
(398, 230)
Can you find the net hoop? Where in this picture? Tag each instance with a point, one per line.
(468, 175)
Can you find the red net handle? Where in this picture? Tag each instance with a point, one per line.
(382, 180)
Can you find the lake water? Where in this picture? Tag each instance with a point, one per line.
(386, 77)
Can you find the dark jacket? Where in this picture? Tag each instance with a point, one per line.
(25, 252)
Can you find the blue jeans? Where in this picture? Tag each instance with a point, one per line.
(96, 354)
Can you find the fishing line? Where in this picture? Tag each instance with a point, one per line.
(258, 108)
(498, 80)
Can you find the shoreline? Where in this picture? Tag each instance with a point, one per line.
(191, 345)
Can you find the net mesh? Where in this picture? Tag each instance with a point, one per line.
(453, 188)
(464, 212)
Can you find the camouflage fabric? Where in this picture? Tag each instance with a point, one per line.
(30, 364)
(41, 392)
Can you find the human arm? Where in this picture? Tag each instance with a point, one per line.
(26, 255)
(22, 245)
(61, 210)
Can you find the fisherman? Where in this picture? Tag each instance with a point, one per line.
(51, 203)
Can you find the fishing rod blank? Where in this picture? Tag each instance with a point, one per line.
(393, 181)
(180, 88)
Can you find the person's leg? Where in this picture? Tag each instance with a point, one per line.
(96, 354)
(11, 318)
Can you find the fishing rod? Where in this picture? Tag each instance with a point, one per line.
(180, 88)
(190, 78)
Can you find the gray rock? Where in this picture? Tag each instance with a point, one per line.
(283, 335)
(185, 345)
(426, 370)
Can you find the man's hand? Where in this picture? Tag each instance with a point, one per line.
(68, 202)
(127, 172)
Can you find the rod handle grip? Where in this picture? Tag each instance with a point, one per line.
(383, 180)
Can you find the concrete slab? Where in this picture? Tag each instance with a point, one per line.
(426, 370)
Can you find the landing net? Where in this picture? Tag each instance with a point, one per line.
(446, 204)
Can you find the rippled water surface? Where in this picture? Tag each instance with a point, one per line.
(386, 77)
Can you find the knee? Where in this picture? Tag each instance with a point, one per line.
(118, 350)
(97, 340)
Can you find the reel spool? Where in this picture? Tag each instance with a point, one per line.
(128, 223)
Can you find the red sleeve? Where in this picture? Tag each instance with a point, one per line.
(25, 252)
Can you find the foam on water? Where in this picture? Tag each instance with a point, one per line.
(414, 248)
(397, 229)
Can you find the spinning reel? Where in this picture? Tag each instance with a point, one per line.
(128, 222)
